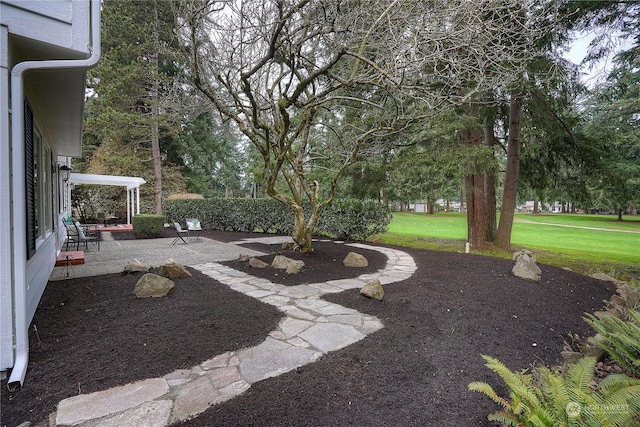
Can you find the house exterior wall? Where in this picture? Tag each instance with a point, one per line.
(47, 32)
(40, 265)
(6, 308)
(63, 23)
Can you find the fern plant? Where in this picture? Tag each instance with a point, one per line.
(620, 337)
(548, 398)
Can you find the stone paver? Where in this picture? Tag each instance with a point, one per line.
(149, 414)
(312, 327)
(273, 357)
(85, 407)
(195, 397)
(331, 336)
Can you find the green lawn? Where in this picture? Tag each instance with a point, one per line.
(585, 243)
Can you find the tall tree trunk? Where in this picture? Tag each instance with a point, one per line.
(503, 238)
(476, 212)
(490, 188)
(155, 146)
(155, 131)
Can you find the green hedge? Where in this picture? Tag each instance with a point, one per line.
(347, 219)
(353, 219)
(147, 226)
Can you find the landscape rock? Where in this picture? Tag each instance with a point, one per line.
(525, 252)
(257, 263)
(293, 269)
(526, 265)
(153, 285)
(136, 267)
(373, 289)
(354, 259)
(173, 270)
(282, 262)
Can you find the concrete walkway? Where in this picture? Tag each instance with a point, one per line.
(115, 254)
(312, 328)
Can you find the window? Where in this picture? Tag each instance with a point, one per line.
(31, 158)
(40, 187)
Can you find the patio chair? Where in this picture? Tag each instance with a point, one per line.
(194, 227)
(72, 235)
(180, 232)
(86, 237)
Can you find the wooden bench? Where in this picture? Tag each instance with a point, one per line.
(70, 258)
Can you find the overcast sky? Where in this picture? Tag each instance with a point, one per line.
(596, 72)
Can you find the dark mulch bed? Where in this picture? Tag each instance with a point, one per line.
(415, 371)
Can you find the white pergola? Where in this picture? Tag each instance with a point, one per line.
(132, 183)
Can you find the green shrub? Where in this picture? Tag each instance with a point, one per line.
(343, 219)
(147, 226)
(550, 398)
(353, 219)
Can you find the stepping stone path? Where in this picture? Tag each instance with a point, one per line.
(312, 328)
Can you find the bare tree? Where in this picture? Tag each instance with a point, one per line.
(312, 84)
(290, 75)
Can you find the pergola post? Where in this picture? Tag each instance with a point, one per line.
(128, 206)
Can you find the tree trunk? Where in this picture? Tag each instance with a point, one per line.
(301, 235)
(384, 198)
(155, 147)
(155, 137)
(476, 212)
(536, 207)
(503, 238)
(490, 189)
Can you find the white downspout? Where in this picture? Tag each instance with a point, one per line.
(19, 187)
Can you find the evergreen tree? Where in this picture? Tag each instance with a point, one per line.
(133, 104)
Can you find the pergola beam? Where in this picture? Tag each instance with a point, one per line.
(132, 183)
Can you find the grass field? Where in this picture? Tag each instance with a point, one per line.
(585, 243)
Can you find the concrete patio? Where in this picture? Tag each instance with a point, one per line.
(114, 255)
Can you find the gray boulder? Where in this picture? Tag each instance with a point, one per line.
(354, 259)
(526, 265)
(373, 290)
(172, 270)
(291, 266)
(524, 252)
(152, 285)
(136, 267)
(257, 263)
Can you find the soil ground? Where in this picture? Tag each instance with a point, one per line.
(90, 334)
